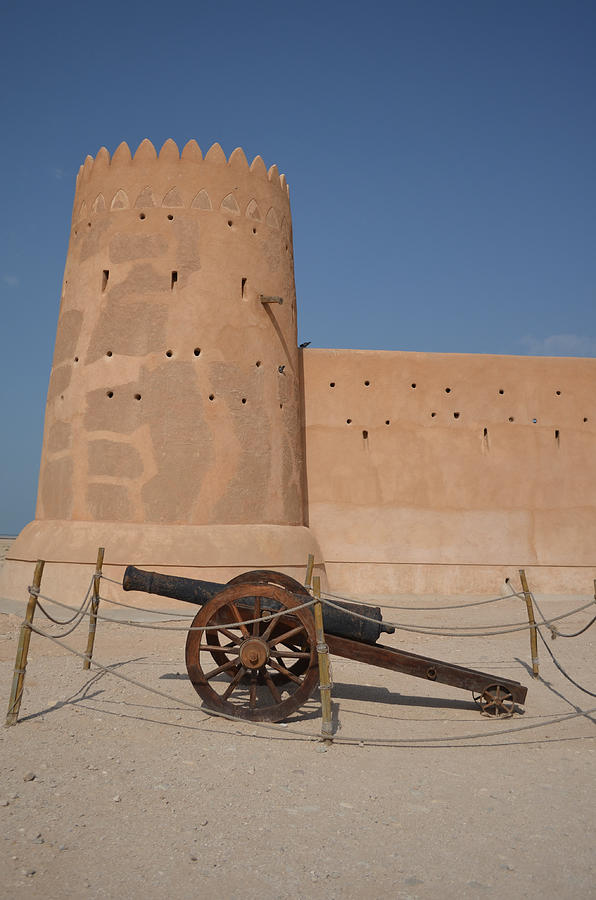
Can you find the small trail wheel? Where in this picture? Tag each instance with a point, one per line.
(253, 654)
(495, 701)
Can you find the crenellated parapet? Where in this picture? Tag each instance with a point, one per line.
(169, 179)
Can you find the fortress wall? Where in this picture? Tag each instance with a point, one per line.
(446, 473)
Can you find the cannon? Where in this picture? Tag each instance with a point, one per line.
(265, 670)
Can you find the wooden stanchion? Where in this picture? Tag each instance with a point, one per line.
(20, 666)
(94, 608)
(324, 667)
(309, 567)
(532, 621)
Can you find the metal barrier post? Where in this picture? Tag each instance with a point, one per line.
(324, 668)
(93, 609)
(20, 666)
(532, 621)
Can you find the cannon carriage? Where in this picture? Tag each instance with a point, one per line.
(251, 651)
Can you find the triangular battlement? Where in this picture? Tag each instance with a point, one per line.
(147, 155)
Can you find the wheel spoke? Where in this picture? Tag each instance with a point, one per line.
(233, 683)
(229, 635)
(270, 627)
(223, 648)
(293, 653)
(238, 616)
(224, 668)
(284, 671)
(252, 700)
(256, 626)
(272, 688)
(286, 635)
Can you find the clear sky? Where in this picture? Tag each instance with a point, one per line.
(440, 155)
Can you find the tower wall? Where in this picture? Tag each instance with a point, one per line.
(174, 397)
(166, 403)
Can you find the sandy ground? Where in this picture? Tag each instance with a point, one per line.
(137, 796)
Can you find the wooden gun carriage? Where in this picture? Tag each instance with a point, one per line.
(264, 670)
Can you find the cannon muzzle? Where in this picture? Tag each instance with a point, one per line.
(190, 590)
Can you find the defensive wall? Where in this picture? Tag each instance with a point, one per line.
(446, 473)
(186, 432)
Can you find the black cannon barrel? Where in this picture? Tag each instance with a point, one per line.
(190, 590)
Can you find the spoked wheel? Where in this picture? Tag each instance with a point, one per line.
(254, 656)
(267, 576)
(495, 701)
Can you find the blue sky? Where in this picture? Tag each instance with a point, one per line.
(440, 156)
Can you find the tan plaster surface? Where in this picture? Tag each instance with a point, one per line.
(166, 403)
(213, 553)
(406, 500)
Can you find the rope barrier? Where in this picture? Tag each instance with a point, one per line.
(440, 631)
(436, 631)
(552, 655)
(312, 736)
(157, 612)
(113, 580)
(78, 616)
(272, 614)
(556, 633)
(560, 667)
(426, 608)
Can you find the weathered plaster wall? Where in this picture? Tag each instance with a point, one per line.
(174, 407)
(434, 472)
(166, 402)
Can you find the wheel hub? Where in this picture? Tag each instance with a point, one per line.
(254, 653)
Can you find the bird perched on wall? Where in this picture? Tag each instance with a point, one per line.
(280, 369)
(305, 344)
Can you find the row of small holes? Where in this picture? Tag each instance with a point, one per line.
(414, 385)
(170, 353)
(143, 216)
(456, 415)
(110, 394)
(170, 218)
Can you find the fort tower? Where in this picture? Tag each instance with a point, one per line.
(173, 429)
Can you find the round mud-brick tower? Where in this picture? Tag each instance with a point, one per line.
(175, 394)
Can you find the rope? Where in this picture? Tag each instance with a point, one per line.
(552, 655)
(309, 736)
(113, 580)
(556, 633)
(157, 612)
(79, 612)
(159, 627)
(561, 669)
(426, 608)
(439, 631)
